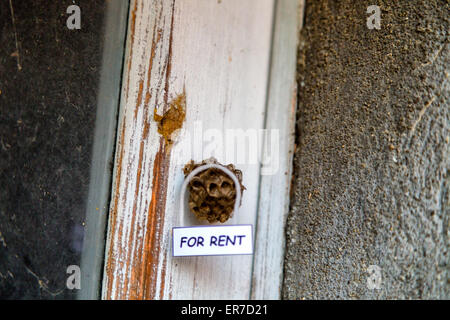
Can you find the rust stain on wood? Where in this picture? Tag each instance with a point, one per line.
(169, 56)
(132, 31)
(175, 113)
(139, 97)
(163, 276)
(155, 40)
(133, 276)
(140, 257)
(110, 264)
(141, 283)
(155, 225)
(148, 94)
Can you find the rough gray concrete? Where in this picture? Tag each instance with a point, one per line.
(372, 159)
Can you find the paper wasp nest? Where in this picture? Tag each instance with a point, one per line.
(212, 192)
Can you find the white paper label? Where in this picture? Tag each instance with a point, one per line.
(216, 240)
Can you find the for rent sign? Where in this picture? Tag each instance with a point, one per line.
(215, 240)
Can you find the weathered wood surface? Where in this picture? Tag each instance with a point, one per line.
(218, 54)
(275, 188)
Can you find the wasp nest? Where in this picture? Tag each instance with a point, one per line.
(212, 193)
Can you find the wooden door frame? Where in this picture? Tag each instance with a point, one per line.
(251, 48)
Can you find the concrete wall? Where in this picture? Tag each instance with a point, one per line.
(372, 159)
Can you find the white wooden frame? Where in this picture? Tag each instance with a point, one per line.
(219, 54)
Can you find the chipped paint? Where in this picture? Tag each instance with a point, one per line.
(131, 37)
(168, 46)
(142, 161)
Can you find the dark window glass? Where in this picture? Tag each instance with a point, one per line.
(49, 82)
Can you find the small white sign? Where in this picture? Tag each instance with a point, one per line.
(215, 240)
